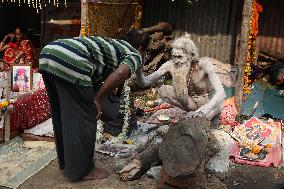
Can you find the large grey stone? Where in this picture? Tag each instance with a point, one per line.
(184, 148)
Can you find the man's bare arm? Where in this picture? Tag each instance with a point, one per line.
(155, 76)
(114, 80)
(220, 94)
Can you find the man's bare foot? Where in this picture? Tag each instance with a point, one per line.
(96, 173)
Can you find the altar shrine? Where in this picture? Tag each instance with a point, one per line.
(21, 109)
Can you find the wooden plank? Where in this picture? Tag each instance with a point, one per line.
(30, 137)
(13, 134)
(6, 95)
(7, 129)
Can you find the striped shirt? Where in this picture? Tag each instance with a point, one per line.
(84, 60)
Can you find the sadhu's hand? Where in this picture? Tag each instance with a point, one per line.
(99, 110)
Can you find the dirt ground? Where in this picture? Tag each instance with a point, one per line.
(254, 177)
(51, 178)
(240, 177)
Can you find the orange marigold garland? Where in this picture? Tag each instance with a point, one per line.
(3, 106)
(251, 52)
(83, 30)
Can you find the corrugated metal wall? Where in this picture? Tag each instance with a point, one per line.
(215, 24)
(271, 26)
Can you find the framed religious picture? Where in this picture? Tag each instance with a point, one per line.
(252, 132)
(38, 82)
(21, 78)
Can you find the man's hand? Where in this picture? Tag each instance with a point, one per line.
(114, 80)
(99, 110)
(195, 114)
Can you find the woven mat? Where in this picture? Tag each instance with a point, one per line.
(20, 160)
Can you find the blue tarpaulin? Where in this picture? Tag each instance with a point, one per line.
(270, 102)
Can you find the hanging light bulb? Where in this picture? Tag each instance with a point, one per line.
(37, 4)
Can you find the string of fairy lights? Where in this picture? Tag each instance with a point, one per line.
(36, 4)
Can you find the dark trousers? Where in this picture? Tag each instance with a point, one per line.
(74, 125)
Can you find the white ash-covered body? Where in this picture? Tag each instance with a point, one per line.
(197, 82)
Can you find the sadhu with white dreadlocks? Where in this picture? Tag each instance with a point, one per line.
(196, 88)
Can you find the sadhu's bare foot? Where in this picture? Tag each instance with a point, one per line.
(96, 173)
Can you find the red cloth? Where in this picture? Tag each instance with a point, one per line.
(29, 111)
(229, 113)
(13, 45)
(273, 158)
(15, 48)
(159, 107)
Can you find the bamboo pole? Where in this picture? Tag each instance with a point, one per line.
(84, 12)
(241, 59)
(7, 121)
